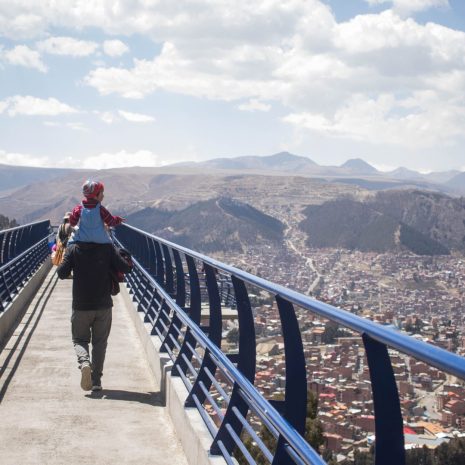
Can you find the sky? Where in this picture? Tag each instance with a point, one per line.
(103, 84)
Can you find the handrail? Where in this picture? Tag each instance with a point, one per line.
(166, 286)
(295, 440)
(14, 241)
(20, 259)
(22, 226)
(13, 261)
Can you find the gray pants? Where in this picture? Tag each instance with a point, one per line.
(92, 326)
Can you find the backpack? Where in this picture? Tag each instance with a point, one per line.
(117, 276)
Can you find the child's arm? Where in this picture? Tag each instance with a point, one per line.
(75, 215)
(109, 219)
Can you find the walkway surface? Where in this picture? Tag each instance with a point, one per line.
(45, 417)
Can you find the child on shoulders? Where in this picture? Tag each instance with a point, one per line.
(92, 216)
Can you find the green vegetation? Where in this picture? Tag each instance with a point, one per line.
(313, 434)
(6, 223)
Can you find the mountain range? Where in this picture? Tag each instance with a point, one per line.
(287, 163)
(283, 163)
(257, 202)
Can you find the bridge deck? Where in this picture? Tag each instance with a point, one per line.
(45, 417)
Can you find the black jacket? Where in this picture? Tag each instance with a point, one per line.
(91, 264)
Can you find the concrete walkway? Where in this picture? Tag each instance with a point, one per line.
(45, 417)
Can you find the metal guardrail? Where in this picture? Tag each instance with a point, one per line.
(22, 251)
(163, 271)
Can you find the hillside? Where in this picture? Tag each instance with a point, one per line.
(435, 215)
(359, 166)
(213, 225)
(424, 223)
(457, 183)
(282, 161)
(13, 177)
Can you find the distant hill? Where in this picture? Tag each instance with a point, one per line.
(441, 177)
(283, 161)
(435, 215)
(457, 183)
(422, 222)
(404, 173)
(220, 224)
(12, 177)
(355, 225)
(355, 171)
(359, 166)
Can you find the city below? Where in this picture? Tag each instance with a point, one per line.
(422, 296)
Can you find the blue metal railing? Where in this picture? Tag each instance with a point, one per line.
(166, 286)
(22, 251)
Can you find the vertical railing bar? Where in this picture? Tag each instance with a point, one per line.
(180, 280)
(295, 402)
(214, 333)
(160, 267)
(169, 283)
(389, 428)
(246, 365)
(194, 312)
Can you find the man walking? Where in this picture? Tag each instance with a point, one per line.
(92, 304)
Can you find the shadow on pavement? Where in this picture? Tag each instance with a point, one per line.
(151, 398)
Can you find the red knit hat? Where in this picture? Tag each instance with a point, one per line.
(91, 189)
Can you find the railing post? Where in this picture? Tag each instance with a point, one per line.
(180, 280)
(169, 283)
(194, 312)
(246, 365)
(160, 268)
(295, 401)
(214, 334)
(175, 326)
(389, 446)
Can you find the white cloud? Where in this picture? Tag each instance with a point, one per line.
(22, 159)
(67, 46)
(33, 106)
(136, 117)
(411, 6)
(254, 105)
(75, 126)
(421, 121)
(107, 116)
(115, 48)
(21, 55)
(122, 159)
(17, 23)
(294, 53)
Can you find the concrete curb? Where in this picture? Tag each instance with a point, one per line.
(190, 428)
(10, 318)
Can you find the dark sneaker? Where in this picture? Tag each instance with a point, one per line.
(96, 387)
(86, 380)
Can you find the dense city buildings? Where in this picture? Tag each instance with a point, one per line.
(422, 296)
